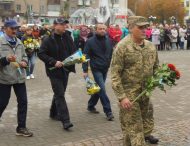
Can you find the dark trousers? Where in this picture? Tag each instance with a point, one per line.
(162, 45)
(188, 44)
(20, 91)
(100, 78)
(59, 105)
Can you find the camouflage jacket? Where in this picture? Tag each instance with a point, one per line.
(130, 67)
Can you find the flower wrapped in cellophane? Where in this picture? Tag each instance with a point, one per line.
(77, 57)
(165, 75)
(31, 43)
(16, 64)
(91, 86)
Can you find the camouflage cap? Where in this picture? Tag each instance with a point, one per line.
(137, 20)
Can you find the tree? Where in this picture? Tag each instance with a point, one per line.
(162, 9)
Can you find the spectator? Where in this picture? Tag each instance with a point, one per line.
(30, 51)
(188, 37)
(174, 35)
(156, 36)
(149, 33)
(182, 35)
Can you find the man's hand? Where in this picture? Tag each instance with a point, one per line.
(11, 58)
(59, 64)
(126, 104)
(85, 75)
(23, 64)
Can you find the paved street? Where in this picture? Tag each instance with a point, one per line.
(172, 112)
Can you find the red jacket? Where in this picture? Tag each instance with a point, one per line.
(115, 34)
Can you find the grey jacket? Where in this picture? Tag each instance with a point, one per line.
(9, 73)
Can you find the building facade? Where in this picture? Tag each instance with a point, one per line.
(34, 11)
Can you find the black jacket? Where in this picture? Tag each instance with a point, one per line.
(52, 50)
(99, 51)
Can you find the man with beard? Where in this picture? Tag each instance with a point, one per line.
(99, 50)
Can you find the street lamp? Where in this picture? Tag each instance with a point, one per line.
(173, 19)
(18, 18)
(84, 14)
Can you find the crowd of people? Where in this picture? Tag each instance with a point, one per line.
(127, 50)
(164, 37)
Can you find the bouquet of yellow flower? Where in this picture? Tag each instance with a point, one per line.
(91, 86)
(31, 43)
(77, 57)
(166, 74)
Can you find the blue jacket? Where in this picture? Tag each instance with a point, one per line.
(99, 51)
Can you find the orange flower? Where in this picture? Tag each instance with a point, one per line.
(172, 67)
(178, 75)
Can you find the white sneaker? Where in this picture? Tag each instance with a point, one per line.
(28, 77)
(32, 76)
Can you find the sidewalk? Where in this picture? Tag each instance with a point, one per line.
(172, 112)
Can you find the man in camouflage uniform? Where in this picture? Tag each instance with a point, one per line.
(133, 61)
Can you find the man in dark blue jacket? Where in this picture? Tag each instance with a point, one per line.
(54, 49)
(99, 50)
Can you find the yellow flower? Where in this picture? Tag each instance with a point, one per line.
(25, 42)
(93, 90)
(16, 64)
(83, 58)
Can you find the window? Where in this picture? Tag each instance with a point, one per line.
(72, 10)
(84, 2)
(7, 6)
(18, 7)
(42, 10)
(29, 8)
(187, 13)
(80, 2)
(116, 1)
(187, 3)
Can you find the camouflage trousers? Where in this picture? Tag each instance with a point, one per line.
(137, 123)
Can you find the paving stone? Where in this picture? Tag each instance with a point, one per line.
(171, 112)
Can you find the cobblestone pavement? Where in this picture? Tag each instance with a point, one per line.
(172, 116)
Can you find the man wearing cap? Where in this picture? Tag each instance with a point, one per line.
(133, 61)
(54, 49)
(12, 74)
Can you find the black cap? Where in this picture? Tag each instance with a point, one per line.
(60, 21)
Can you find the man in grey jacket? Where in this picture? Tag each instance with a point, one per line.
(12, 74)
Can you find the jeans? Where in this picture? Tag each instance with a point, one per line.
(181, 45)
(31, 64)
(59, 105)
(20, 91)
(100, 78)
(174, 46)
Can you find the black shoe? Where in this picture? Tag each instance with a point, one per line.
(110, 116)
(93, 110)
(151, 139)
(56, 118)
(66, 126)
(23, 132)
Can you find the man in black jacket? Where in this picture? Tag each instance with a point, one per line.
(99, 50)
(54, 49)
